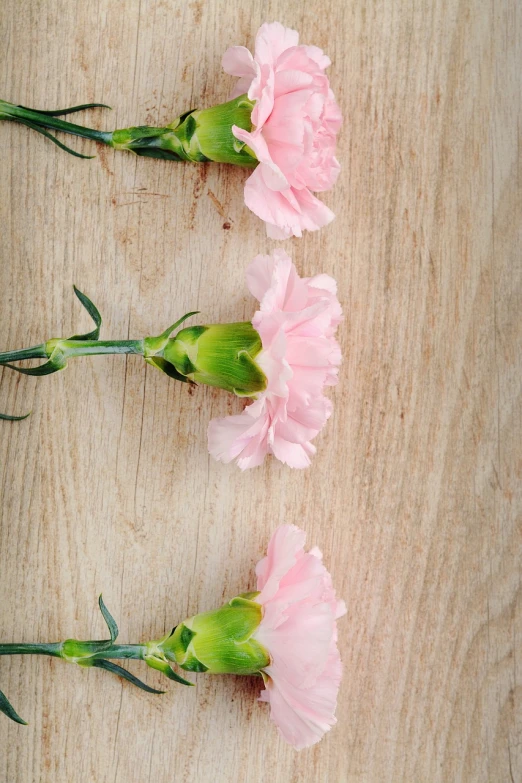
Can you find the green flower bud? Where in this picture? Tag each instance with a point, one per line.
(220, 642)
(220, 355)
(199, 135)
(213, 132)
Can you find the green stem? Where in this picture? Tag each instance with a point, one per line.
(94, 347)
(52, 649)
(9, 111)
(36, 352)
(127, 651)
(72, 348)
(55, 650)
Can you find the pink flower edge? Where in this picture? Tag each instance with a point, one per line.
(299, 630)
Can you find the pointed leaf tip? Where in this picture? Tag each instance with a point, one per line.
(109, 619)
(52, 138)
(6, 417)
(71, 110)
(7, 708)
(126, 675)
(93, 312)
(165, 668)
(175, 325)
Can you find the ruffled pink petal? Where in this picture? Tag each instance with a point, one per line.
(284, 548)
(303, 716)
(318, 56)
(287, 212)
(262, 91)
(304, 423)
(299, 630)
(295, 455)
(239, 437)
(272, 40)
(298, 636)
(272, 174)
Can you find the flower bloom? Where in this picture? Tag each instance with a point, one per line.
(295, 122)
(287, 632)
(296, 321)
(300, 633)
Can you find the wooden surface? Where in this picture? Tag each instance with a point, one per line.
(415, 493)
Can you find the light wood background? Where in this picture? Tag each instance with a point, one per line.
(415, 493)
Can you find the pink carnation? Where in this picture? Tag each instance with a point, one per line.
(296, 321)
(299, 631)
(296, 120)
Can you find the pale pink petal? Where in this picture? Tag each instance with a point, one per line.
(272, 39)
(291, 80)
(273, 177)
(259, 273)
(295, 455)
(316, 54)
(323, 283)
(291, 211)
(241, 87)
(238, 437)
(284, 548)
(237, 61)
(304, 423)
(262, 91)
(299, 630)
(303, 716)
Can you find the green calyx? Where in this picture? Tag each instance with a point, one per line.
(220, 642)
(198, 136)
(221, 355)
(214, 135)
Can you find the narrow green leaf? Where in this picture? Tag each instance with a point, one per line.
(63, 112)
(155, 152)
(164, 668)
(52, 138)
(109, 619)
(166, 367)
(7, 708)
(93, 312)
(175, 325)
(185, 114)
(5, 417)
(44, 369)
(121, 672)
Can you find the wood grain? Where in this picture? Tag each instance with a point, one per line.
(415, 493)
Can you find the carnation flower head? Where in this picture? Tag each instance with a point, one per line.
(286, 631)
(295, 122)
(299, 629)
(296, 321)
